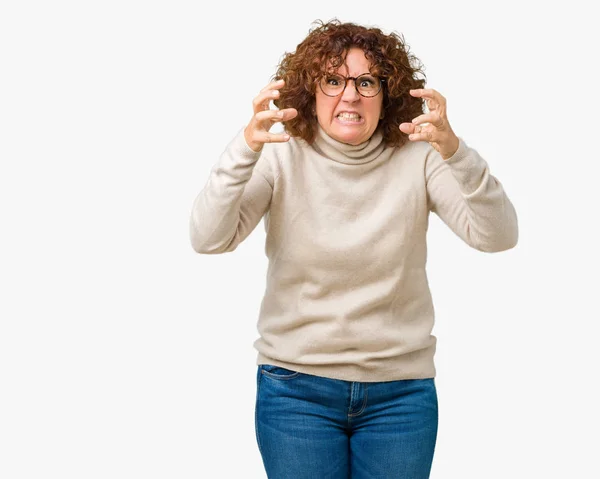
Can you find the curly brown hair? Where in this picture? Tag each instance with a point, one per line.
(325, 46)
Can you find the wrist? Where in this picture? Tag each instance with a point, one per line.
(448, 152)
(256, 147)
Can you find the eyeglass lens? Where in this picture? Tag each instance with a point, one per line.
(367, 85)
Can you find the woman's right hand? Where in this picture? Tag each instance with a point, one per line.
(256, 132)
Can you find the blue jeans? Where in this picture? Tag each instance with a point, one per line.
(311, 427)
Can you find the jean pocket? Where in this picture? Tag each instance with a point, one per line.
(277, 372)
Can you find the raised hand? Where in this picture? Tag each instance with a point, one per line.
(438, 131)
(257, 132)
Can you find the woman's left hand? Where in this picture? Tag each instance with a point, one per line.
(438, 132)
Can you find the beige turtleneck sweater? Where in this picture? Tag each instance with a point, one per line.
(347, 295)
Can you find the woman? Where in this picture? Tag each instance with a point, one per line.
(345, 379)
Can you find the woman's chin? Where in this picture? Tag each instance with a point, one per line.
(351, 137)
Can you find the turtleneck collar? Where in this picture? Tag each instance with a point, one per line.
(349, 154)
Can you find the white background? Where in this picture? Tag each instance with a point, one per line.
(124, 354)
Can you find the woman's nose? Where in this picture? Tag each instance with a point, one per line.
(350, 94)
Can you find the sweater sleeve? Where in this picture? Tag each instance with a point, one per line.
(464, 194)
(234, 199)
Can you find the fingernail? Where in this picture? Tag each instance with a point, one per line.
(286, 137)
(414, 120)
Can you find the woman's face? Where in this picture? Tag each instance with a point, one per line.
(349, 128)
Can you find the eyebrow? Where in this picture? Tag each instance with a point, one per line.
(351, 76)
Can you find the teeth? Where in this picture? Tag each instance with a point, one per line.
(349, 116)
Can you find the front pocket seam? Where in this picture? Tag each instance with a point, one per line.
(275, 376)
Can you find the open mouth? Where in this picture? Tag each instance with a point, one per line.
(349, 117)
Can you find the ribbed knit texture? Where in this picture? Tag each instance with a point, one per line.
(347, 295)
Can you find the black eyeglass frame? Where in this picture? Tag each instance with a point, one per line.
(381, 82)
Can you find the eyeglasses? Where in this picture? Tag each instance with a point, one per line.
(366, 84)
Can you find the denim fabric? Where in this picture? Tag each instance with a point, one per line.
(311, 427)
